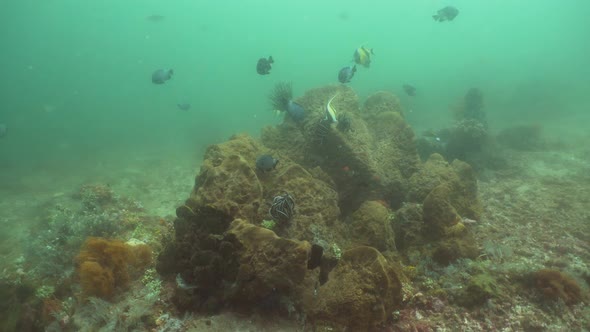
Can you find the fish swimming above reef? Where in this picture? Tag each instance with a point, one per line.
(345, 74)
(184, 106)
(441, 135)
(263, 66)
(362, 56)
(155, 18)
(266, 163)
(160, 76)
(331, 111)
(410, 90)
(446, 14)
(3, 130)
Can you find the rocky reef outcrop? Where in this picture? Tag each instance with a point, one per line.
(349, 199)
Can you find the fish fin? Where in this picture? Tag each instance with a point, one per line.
(371, 50)
(435, 17)
(270, 59)
(354, 69)
(333, 98)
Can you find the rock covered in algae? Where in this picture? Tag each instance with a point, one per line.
(458, 176)
(269, 266)
(442, 222)
(240, 266)
(352, 172)
(360, 294)
(371, 226)
(439, 214)
(227, 180)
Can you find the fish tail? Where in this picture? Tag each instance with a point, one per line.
(270, 59)
(435, 17)
(354, 69)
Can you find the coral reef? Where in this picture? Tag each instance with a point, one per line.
(331, 254)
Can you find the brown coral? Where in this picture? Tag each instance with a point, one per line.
(103, 265)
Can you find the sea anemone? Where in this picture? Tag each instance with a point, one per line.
(280, 96)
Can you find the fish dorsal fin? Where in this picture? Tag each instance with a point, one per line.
(330, 101)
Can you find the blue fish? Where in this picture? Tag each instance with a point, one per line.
(345, 74)
(184, 106)
(266, 163)
(446, 14)
(296, 111)
(160, 76)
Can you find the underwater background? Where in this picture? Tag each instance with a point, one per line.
(79, 107)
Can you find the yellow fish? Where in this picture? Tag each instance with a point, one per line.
(362, 56)
(331, 112)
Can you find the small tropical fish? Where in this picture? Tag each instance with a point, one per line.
(160, 76)
(296, 111)
(430, 133)
(362, 56)
(345, 74)
(410, 90)
(263, 66)
(331, 112)
(439, 136)
(266, 163)
(184, 106)
(3, 130)
(155, 18)
(446, 14)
